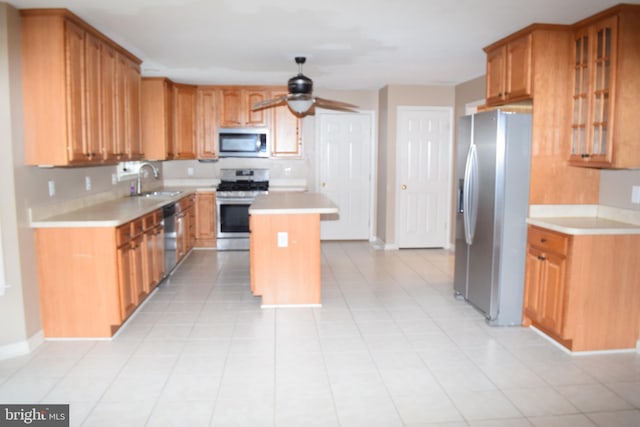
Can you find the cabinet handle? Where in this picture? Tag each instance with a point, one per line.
(585, 155)
(542, 258)
(543, 240)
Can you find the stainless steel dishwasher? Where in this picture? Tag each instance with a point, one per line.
(169, 219)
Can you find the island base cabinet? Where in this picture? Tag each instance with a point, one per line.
(285, 273)
(78, 278)
(589, 300)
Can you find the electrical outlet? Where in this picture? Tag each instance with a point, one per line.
(87, 183)
(283, 239)
(52, 188)
(190, 171)
(635, 194)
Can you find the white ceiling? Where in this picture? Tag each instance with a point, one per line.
(350, 44)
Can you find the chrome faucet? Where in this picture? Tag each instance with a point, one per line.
(156, 174)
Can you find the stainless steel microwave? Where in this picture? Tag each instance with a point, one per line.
(243, 142)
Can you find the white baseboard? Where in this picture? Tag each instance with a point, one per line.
(584, 352)
(381, 245)
(21, 348)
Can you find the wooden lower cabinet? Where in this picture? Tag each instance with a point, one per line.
(185, 226)
(205, 220)
(545, 283)
(153, 251)
(92, 279)
(580, 291)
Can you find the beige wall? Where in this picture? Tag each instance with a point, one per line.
(19, 309)
(615, 188)
(382, 166)
(467, 92)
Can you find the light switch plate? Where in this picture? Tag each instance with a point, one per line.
(52, 188)
(87, 183)
(283, 239)
(635, 194)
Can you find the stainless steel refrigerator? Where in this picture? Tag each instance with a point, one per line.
(493, 164)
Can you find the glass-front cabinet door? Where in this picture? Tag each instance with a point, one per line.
(594, 83)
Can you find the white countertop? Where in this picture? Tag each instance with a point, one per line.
(292, 203)
(585, 219)
(110, 213)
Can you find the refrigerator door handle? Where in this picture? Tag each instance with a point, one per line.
(470, 194)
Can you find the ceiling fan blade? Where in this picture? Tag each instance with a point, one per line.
(330, 104)
(270, 103)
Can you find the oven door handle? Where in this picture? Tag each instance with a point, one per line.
(234, 201)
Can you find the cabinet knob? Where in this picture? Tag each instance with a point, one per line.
(543, 240)
(542, 258)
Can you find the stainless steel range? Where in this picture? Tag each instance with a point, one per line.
(235, 193)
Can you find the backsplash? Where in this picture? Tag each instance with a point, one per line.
(615, 188)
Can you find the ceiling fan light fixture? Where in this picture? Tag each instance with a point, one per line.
(300, 106)
(300, 99)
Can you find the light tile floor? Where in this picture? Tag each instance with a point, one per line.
(389, 347)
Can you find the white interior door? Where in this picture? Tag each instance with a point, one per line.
(344, 143)
(423, 176)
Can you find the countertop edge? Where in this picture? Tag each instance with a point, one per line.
(292, 211)
(545, 223)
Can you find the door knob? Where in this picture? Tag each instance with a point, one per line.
(404, 187)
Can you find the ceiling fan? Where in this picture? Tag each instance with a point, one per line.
(300, 99)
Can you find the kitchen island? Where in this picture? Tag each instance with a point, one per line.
(285, 247)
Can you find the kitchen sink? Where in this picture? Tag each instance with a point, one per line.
(158, 194)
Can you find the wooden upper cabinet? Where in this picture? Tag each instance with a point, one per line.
(533, 66)
(157, 118)
(235, 107)
(93, 105)
(133, 136)
(74, 46)
(509, 69)
(168, 119)
(184, 110)
(606, 90)
(208, 100)
(108, 114)
(66, 63)
(286, 136)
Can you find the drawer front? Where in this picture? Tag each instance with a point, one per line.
(149, 221)
(548, 240)
(138, 226)
(186, 203)
(123, 234)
